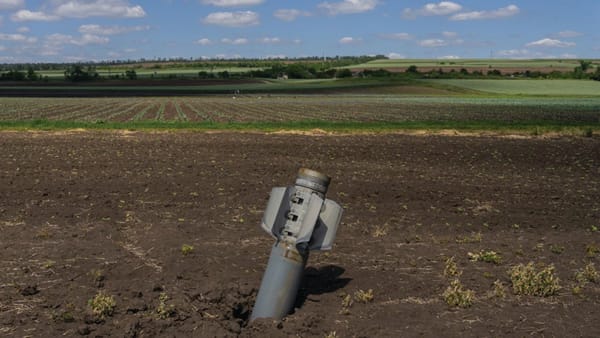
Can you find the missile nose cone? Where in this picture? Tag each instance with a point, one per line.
(313, 179)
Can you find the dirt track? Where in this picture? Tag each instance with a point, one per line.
(87, 212)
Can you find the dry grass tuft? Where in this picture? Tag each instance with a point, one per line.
(526, 280)
(456, 295)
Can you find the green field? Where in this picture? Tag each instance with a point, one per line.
(150, 72)
(525, 87)
(561, 65)
(378, 104)
(330, 112)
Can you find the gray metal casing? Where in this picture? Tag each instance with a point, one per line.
(318, 223)
(280, 283)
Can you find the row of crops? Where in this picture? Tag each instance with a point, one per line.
(277, 108)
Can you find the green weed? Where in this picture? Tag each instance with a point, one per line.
(450, 268)
(187, 249)
(486, 256)
(364, 296)
(102, 305)
(587, 274)
(164, 311)
(456, 295)
(527, 280)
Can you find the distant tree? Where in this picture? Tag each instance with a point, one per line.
(596, 75)
(13, 75)
(585, 65)
(131, 74)
(580, 72)
(299, 71)
(412, 69)
(76, 73)
(31, 75)
(341, 73)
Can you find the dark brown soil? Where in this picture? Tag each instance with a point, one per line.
(89, 212)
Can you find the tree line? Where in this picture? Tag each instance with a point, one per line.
(310, 70)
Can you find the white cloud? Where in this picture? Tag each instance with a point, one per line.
(504, 12)
(550, 43)
(349, 6)
(523, 54)
(514, 53)
(2, 48)
(90, 39)
(349, 40)
(397, 36)
(110, 30)
(238, 41)
(568, 34)
(11, 4)
(229, 57)
(203, 42)
(449, 57)
(431, 43)
(396, 56)
(232, 3)
(431, 9)
(276, 56)
(233, 19)
(23, 29)
(450, 35)
(103, 8)
(268, 40)
(17, 38)
(289, 14)
(85, 39)
(27, 15)
(568, 56)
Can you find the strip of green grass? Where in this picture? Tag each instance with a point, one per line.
(528, 127)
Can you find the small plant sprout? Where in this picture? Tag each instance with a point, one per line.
(526, 280)
(164, 311)
(475, 237)
(346, 303)
(486, 256)
(456, 296)
(587, 274)
(187, 249)
(591, 250)
(499, 290)
(364, 296)
(102, 305)
(557, 249)
(379, 231)
(49, 264)
(450, 268)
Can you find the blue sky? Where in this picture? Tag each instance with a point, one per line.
(94, 30)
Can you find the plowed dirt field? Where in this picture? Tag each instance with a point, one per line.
(89, 213)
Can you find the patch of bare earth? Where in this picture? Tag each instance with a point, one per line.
(106, 215)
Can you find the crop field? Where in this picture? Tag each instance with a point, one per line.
(147, 234)
(524, 87)
(285, 108)
(560, 65)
